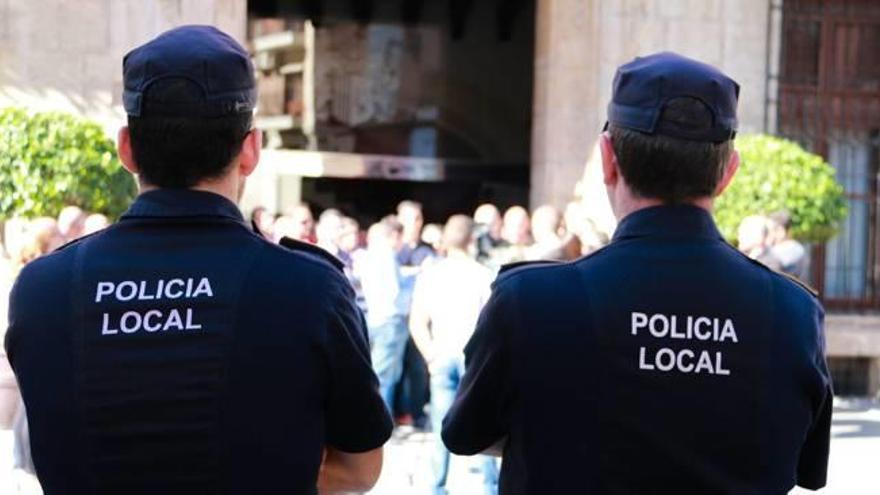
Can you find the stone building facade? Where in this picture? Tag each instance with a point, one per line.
(579, 44)
(67, 55)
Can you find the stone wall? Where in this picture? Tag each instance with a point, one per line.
(67, 55)
(473, 91)
(580, 43)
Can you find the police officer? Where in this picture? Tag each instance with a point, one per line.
(667, 362)
(178, 351)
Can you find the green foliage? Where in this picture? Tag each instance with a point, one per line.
(776, 174)
(51, 160)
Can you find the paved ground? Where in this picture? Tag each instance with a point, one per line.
(854, 467)
(408, 461)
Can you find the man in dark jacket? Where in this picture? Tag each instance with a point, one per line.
(682, 366)
(151, 355)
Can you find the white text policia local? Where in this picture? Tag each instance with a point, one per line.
(153, 320)
(699, 328)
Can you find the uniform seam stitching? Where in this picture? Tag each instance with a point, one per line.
(79, 347)
(248, 272)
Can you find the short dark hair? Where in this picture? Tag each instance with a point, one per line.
(180, 152)
(671, 169)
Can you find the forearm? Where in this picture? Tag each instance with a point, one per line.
(342, 472)
(335, 478)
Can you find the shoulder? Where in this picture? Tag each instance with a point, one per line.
(43, 281)
(520, 283)
(316, 264)
(294, 272)
(299, 267)
(781, 280)
(511, 271)
(796, 305)
(546, 268)
(76, 242)
(790, 281)
(56, 263)
(53, 263)
(311, 253)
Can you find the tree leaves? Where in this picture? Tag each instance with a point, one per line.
(777, 174)
(51, 160)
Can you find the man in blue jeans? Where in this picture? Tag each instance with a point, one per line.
(379, 273)
(447, 300)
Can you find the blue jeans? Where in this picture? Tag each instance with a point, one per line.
(446, 375)
(387, 344)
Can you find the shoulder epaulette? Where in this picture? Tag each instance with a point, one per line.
(520, 264)
(807, 287)
(256, 229)
(506, 268)
(77, 240)
(311, 249)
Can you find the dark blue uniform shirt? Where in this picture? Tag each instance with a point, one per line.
(179, 352)
(665, 363)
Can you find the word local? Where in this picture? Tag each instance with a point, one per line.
(699, 328)
(152, 320)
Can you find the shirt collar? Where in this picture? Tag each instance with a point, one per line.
(181, 203)
(668, 221)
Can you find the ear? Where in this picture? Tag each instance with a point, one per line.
(610, 172)
(250, 152)
(123, 147)
(729, 172)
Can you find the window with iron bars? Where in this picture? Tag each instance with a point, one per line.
(829, 101)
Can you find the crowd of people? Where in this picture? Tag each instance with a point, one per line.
(666, 347)
(547, 233)
(25, 240)
(421, 286)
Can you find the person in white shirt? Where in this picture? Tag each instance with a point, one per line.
(379, 274)
(447, 300)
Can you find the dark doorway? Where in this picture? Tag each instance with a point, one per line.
(448, 80)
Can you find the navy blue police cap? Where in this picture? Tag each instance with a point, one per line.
(642, 89)
(189, 71)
